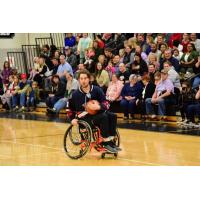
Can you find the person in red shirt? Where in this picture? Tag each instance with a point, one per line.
(185, 41)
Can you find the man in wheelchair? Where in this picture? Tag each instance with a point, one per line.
(97, 113)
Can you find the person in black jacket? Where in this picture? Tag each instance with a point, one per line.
(57, 91)
(148, 90)
(104, 119)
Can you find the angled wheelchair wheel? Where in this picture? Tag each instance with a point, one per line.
(77, 140)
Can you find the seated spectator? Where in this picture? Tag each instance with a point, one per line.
(130, 93)
(1, 87)
(80, 68)
(102, 60)
(159, 40)
(119, 41)
(20, 94)
(172, 74)
(33, 97)
(132, 42)
(57, 54)
(72, 85)
(162, 96)
(154, 49)
(57, 92)
(34, 69)
(110, 69)
(139, 66)
(63, 68)
(56, 63)
(152, 59)
(168, 57)
(193, 110)
(98, 50)
(6, 96)
(123, 73)
(108, 55)
(128, 57)
(177, 54)
(195, 41)
(89, 60)
(40, 72)
(116, 62)
(114, 89)
(177, 45)
(99, 41)
(71, 58)
(6, 72)
(185, 41)
(102, 77)
(147, 92)
(151, 71)
(186, 98)
(121, 55)
(163, 47)
(157, 78)
(84, 43)
(138, 50)
(196, 70)
(93, 80)
(141, 42)
(188, 59)
(70, 40)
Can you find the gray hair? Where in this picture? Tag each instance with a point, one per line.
(133, 77)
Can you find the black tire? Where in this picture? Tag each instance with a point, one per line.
(86, 136)
(117, 138)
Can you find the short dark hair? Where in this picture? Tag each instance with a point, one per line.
(84, 71)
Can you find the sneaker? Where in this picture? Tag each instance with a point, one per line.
(15, 109)
(113, 145)
(22, 109)
(109, 148)
(110, 138)
(51, 111)
(126, 118)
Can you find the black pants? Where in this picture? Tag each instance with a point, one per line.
(106, 121)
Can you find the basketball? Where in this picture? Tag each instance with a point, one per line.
(89, 107)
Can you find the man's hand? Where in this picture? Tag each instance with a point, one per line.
(74, 122)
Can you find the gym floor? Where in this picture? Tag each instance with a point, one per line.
(36, 139)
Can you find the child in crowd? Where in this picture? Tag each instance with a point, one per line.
(33, 96)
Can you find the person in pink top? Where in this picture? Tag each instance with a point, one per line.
(114, 89)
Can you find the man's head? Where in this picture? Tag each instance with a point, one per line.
(69, 35)
(62, 59)
(41, 61)
(108, 52)
(85, 35)
(68, 75)
(160, 39)
(151, 68)
(185, 36)
(84, 78)
(45, 48)
(193, 36)
(153, 47)
(167, 65)
(116, 59)
(167, 54)
(81, 66)
(164, 74)
(140, 37)
(128, 49)
(55, 61)
(122, 67)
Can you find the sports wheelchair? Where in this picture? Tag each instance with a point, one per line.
(79, 139)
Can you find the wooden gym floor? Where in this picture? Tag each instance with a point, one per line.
(39, 141)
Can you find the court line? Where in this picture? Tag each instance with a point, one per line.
(34, 145)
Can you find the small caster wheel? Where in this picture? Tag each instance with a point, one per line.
(115, 155)
(103, 155)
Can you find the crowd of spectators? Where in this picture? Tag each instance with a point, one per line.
(141, 73)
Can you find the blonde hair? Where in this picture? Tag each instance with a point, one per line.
(152, 55)
(132, 42)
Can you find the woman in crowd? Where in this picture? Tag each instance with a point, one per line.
(102, 77)
(72, 85)
(130, 94)
(6, 72)
(129, 56)
(57, 91)
(152, 59)
(139, 66)
(114, 89)
(188, 59)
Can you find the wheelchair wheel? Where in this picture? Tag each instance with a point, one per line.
(77, 140)
(117, 138)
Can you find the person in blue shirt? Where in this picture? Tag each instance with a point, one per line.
(70, 40)
(63, 68)
(130, 95)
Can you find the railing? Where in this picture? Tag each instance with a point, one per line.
(58, 39)
(30, 51)
(18, 60)
(42, 41)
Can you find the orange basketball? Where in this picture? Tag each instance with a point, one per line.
(89, 107)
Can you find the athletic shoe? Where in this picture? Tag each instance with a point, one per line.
(109, 148)
(113, 145)
(15, 109)
(22, 109)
